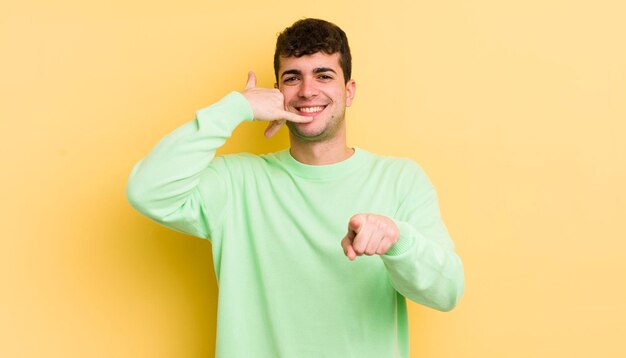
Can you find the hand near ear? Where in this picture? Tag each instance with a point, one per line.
(269, 105)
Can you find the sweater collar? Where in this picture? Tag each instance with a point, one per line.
(321, 172)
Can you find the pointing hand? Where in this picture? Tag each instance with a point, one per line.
(369, 234)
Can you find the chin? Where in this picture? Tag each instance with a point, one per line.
(309, 136)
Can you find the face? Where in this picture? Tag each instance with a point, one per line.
(314, 86)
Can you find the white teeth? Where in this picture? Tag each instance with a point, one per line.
(311, 109)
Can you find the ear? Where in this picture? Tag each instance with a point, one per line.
(276, 85)
(350, 92)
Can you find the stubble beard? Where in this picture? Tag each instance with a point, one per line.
(327, 132)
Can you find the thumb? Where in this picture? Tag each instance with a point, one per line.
(251, 80)
(355, 223)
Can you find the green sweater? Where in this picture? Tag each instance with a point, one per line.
(286, 289)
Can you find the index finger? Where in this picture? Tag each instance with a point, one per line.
(273, 128)
(348, 250)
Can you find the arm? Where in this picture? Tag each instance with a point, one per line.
(164, 186)
(180, 184)
(414, 246)
(422, 265)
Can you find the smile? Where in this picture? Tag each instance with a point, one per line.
(314, 109)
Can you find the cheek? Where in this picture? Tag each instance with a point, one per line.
(288, 94)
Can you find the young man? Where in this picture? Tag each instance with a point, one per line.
(315, 247)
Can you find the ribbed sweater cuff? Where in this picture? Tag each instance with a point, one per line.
(233, 109)
(405, 241)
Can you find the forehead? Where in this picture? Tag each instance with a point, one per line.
(308, 63)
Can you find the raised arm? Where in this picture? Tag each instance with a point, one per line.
(180, 183)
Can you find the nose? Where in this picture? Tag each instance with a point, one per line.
(307, 88)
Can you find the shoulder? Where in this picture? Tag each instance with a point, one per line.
(404, 173)
(395, 165)
(244, 161)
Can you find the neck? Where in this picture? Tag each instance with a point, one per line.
(325, 152)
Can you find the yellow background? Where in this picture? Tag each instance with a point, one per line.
(516, 110)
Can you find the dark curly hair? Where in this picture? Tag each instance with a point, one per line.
(309, 36)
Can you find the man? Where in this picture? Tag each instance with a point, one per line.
(293, 281)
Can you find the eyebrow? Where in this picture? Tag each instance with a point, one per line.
(323, 69)
(315, 70)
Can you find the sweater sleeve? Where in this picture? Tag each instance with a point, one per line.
(180, 183)
(422, 264)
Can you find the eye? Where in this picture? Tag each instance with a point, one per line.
(325, 77)
(290, 79)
